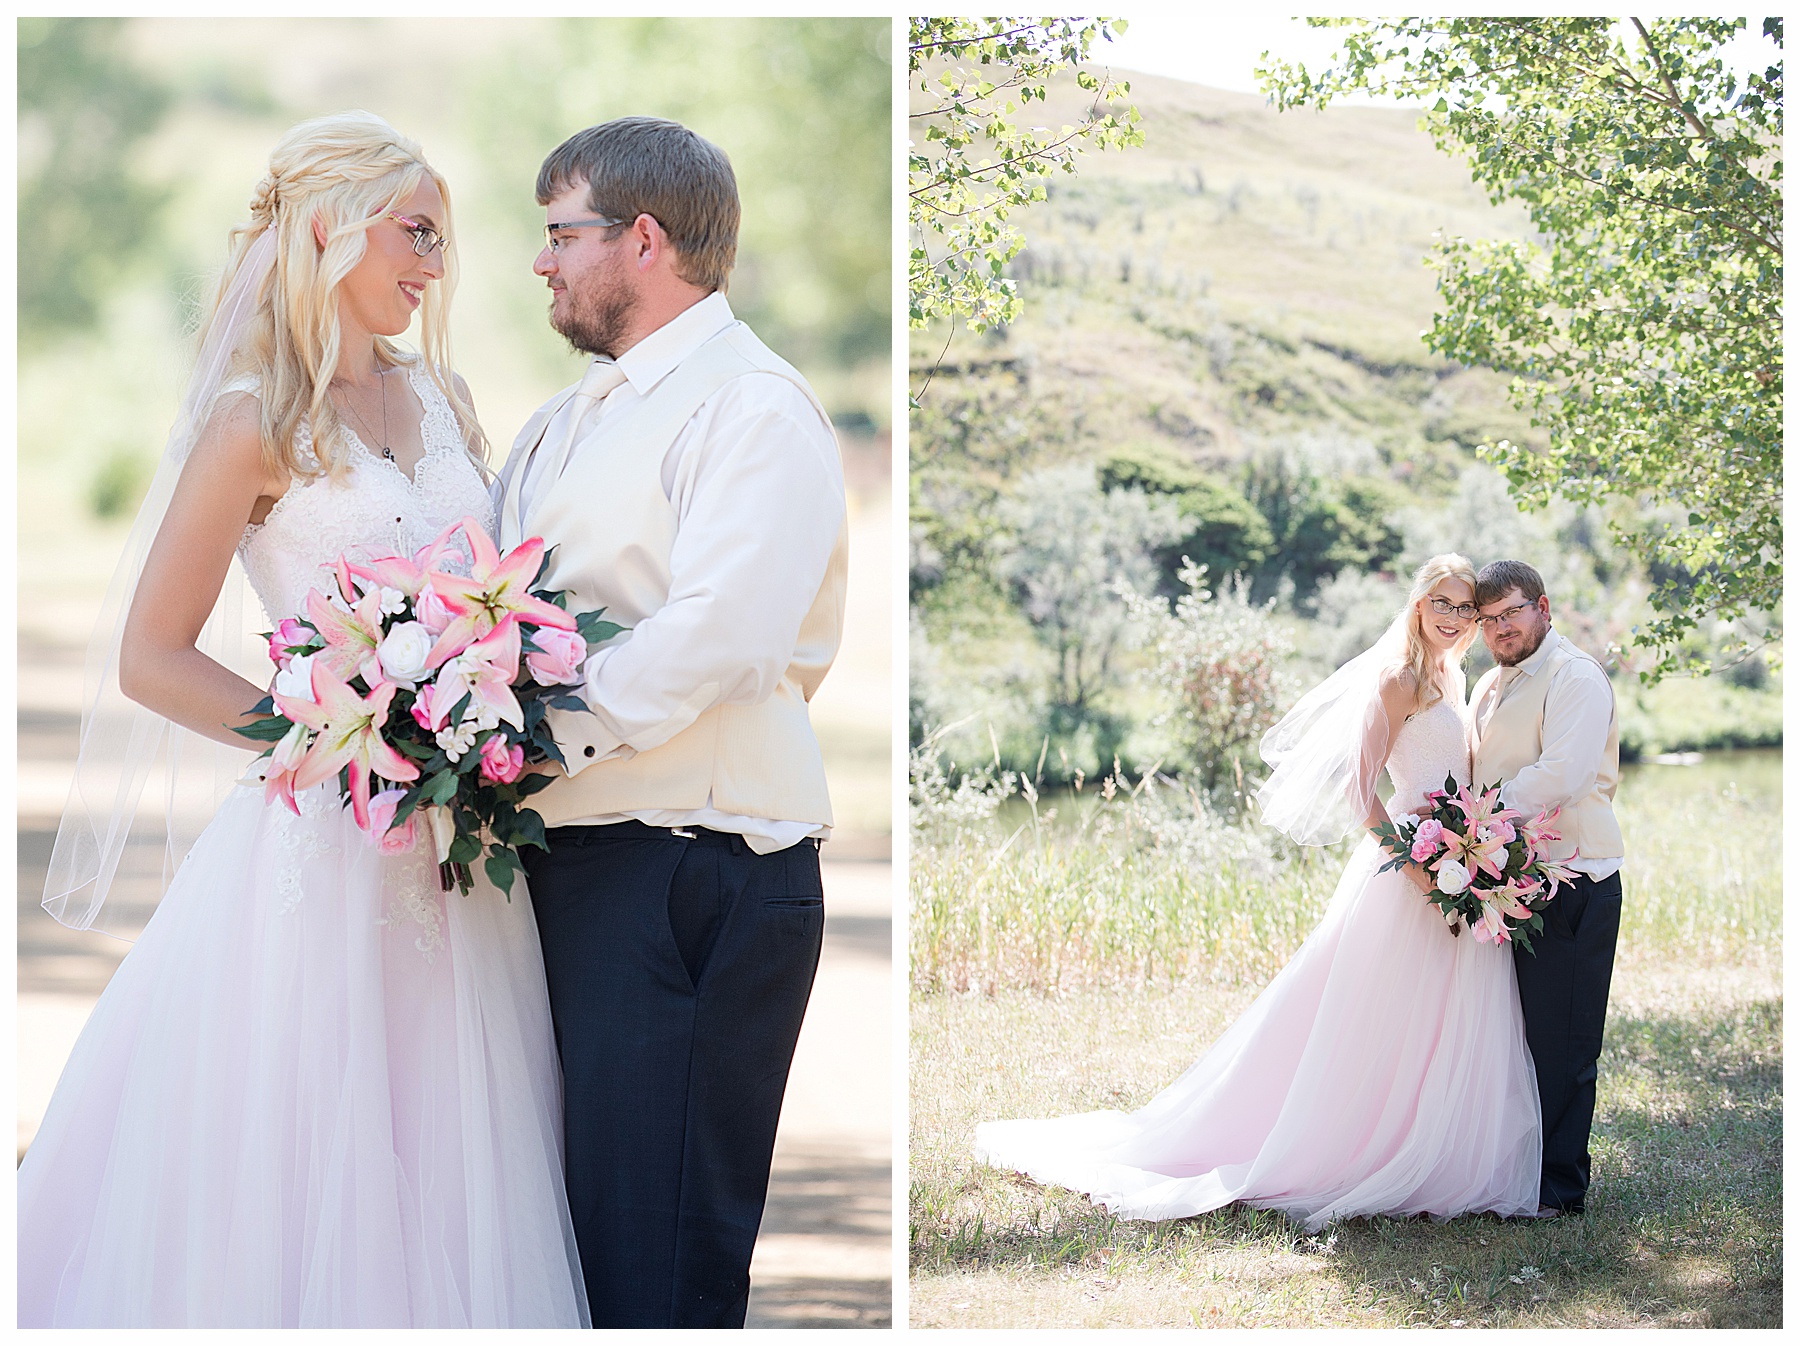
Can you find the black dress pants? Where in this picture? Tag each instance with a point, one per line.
(1563, 987)
(679, 970)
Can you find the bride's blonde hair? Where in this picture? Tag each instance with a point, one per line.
(346, 171)
(1418, 657)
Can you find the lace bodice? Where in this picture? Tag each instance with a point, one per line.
(1432, 744)
(373, 509)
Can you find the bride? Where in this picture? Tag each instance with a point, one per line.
(318, 1092)
(1384, 1070)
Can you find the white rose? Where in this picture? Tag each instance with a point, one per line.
(1452, 878)
(295, 681)
(1407, 820)
(403, 652)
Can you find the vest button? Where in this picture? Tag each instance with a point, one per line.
(588, 751)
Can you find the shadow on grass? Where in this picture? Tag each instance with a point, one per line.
(1683, 1225)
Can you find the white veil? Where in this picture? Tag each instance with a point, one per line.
(1328, 751)
(104, 845)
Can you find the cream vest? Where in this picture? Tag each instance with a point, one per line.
(613, 530)
(1514, 738)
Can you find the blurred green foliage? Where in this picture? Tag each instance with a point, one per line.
(84, 213)
(140, 140)
(801, 106)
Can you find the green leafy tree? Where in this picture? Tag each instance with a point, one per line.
(1221, 531)
(84, 216)
(1070, 550)
(974, 159)
(1643, 326)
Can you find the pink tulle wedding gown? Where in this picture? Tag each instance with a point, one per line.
(1383, 1071)
(318, 1092)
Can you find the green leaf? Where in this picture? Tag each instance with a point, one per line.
(270, 730)
(500, 868)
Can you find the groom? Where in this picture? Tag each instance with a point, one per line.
(1547, 729)
(690, 484)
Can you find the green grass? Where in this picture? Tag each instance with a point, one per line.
(1684, 1219)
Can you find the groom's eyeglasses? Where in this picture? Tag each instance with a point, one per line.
(557, 244)
(1445, 608)
(424, 237)
(1506, 618)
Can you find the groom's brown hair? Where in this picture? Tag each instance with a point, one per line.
(651, 166)
(1499, 578)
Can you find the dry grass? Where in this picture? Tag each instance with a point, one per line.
(1683, 1226)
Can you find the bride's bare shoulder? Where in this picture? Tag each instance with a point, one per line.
(1397, 680)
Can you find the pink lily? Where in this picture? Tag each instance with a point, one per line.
(486, 671)
(350, 637)
(283, 759)
(349, 735)
(408, 575)
(495, 589)
(1491, 928)
(1538, 833)
(1482, 808)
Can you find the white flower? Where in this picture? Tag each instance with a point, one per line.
(1407, 820)
(1452, 877)
(404, 650)
(295, 681)
(392, 601)
(456, 740)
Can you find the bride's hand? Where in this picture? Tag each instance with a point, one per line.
(1420, 876)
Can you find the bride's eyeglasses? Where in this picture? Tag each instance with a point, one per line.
(424, 237)
(1445, 608)
(557, 244)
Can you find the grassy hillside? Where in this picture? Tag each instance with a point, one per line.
(1243, 273)
(1230, 316)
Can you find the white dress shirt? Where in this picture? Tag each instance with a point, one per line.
(1577, 715)
(757, 487)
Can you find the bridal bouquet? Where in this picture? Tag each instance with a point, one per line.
(1490, 871)
(424, 693)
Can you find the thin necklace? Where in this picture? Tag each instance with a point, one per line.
(386, 452)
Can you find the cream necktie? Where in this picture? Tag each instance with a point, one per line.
(601, 378)
(1496, 694)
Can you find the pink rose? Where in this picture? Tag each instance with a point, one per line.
(430, 612)
(392, 840)
(284, 637)
(558, 657)
(1430, 831)
(500, 764)
(401, 839)
(1423, 850)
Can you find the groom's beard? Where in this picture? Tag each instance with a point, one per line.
(595, 323)
(1529, 645)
